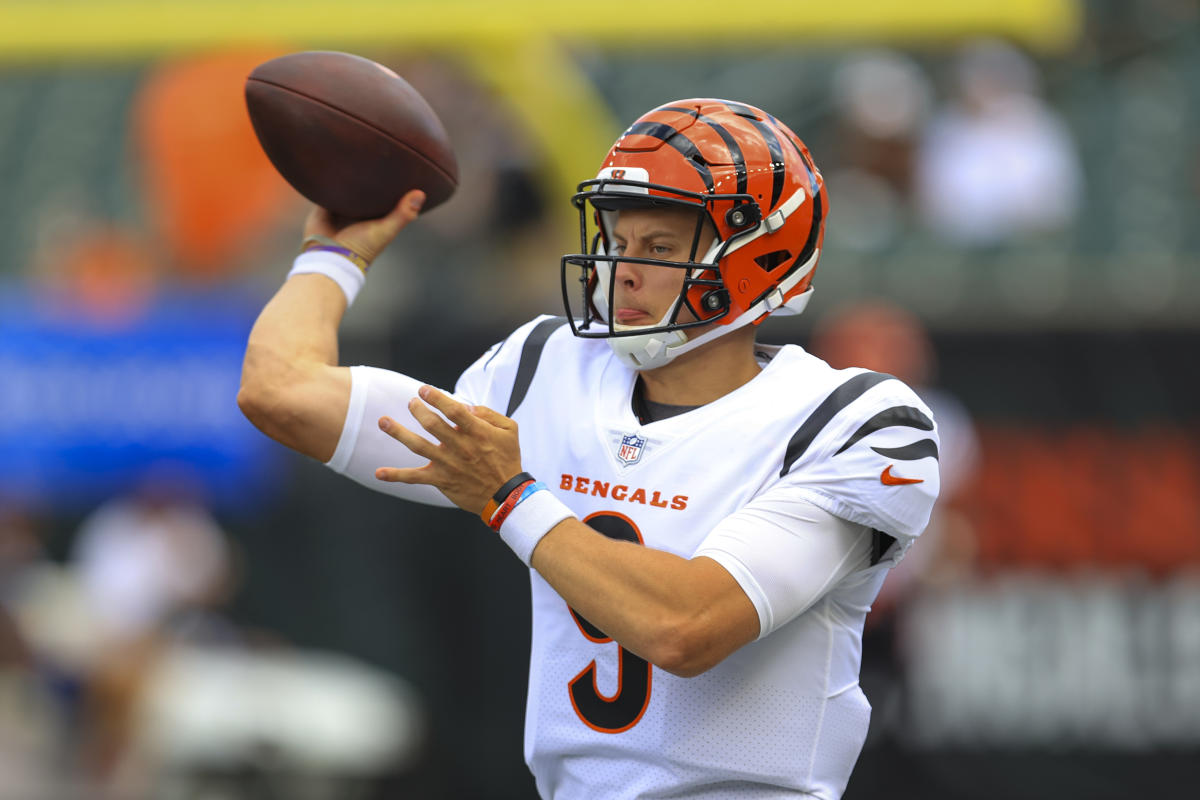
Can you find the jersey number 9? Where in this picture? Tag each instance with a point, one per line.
(621, 711)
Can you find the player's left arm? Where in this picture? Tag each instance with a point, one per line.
(683, 615)
(757, 570)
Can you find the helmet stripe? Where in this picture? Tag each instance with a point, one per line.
(741, 109)
(677, 140)
(735, 150)
(812, 175)
(818, 208)
(815, 191)
(778, 167)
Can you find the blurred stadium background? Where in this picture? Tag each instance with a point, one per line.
(187, 611)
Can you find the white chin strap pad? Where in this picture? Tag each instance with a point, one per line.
(648, 351)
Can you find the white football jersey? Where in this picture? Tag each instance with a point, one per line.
(784, 715)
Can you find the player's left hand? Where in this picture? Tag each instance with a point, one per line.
(475, 453)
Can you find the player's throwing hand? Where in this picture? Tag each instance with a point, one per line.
(369, 237)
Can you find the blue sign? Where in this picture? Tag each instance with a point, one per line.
(89, 410)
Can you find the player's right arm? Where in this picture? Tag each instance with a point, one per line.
(292, 388)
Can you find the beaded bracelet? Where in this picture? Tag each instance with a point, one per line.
(326, 245)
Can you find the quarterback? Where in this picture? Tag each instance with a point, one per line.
(707, 519)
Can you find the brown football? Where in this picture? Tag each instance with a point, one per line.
(349, 134)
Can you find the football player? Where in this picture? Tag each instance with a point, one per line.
(707, 519)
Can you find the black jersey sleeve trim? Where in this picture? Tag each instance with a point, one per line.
(880, 544)
(496, 348)
(838, 399)
(531, 354)
(906, 416)
(926, 448)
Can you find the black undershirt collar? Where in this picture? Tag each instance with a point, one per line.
(648, 411)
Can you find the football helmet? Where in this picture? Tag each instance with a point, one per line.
(744, 173)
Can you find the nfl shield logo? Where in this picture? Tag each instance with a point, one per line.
(630, 451)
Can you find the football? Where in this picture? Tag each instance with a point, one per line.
(349, 134)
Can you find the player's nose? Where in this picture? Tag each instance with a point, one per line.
(629, 274)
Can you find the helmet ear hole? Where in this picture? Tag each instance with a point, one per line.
(769, 261)
(715, 300)
(743, 215)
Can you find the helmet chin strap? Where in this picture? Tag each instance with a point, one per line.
(654, 350)
(650, 350)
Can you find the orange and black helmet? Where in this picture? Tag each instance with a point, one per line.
(744, 172)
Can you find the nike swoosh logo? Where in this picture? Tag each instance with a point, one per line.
(888, 479)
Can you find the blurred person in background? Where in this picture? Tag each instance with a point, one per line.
(176, 698)
(153, 567)
(997, 164)
(99, 273)
(48, 649)
(21, 553)
(883, 99)
(151, 559)
(772, 492)
(27, 714)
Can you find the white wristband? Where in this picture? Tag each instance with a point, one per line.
(531, 520)
(338, 269)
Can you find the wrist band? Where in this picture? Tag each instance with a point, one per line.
(531, 519)
(514, 499)
(512, 483)
(335, 266)
(502, 494)
(522, 511)
(325, 244)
